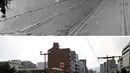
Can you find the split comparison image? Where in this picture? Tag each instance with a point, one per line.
(64, 36)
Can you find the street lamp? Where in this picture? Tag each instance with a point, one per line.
(44, 59)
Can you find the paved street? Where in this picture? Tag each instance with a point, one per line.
(107, 21)
(61, 23)
(24, 20)
(62, 16)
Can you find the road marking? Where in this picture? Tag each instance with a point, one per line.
(125, 29)
(85, 21)
(29, 11)
(29, 28)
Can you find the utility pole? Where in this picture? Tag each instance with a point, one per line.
(44, 59)
(107, 59)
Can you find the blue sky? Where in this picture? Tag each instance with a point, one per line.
(28, 48)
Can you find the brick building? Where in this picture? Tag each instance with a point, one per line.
(57, 55)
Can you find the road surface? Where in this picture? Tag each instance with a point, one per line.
(16, 23)
(61, 23)
(107, 21)
(56, 19)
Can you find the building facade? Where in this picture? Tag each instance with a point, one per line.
(77, 64)
(57, 56)
(102, 68)
(81, 67)
(120, 64)
(70, 59)
(28, 65)
(42, 65)
(84, 63)
(125, 56)
(73, 61)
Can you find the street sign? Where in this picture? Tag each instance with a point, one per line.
(113, 66)
(62, 65)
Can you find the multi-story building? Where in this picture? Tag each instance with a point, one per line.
(28, 64)
(81, 67)
(77, 64)
(112, 66)
(125, 56)
(70, 59)
(42, 65)
(84, 63)
(73, 61)
(57, 56)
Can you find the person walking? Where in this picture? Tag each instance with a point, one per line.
(3, 9)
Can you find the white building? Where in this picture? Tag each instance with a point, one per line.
(42, 65)
(81, 67)
(16, 64)
(125, 56)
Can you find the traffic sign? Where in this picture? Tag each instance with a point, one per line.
(113, 66)
(62, 65)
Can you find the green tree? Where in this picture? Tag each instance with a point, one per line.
(5, 68)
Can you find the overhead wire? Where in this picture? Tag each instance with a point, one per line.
(92, 49)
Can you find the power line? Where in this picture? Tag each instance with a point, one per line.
(92, 49)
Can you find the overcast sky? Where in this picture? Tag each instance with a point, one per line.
(28, 48)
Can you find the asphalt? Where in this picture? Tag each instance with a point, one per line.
(64, 21)
(18, 23)
(107, 21)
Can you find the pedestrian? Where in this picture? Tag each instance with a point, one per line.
(3, 9)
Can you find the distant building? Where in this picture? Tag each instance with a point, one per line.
(28, 65)
(84, 62)
(91, 71)
(120, 64)
(102, 68)
(112, 66)
(42, 65)
(94, 71)
(81, 67)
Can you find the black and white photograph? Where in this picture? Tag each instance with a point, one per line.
(64, 17)
(73, 54)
